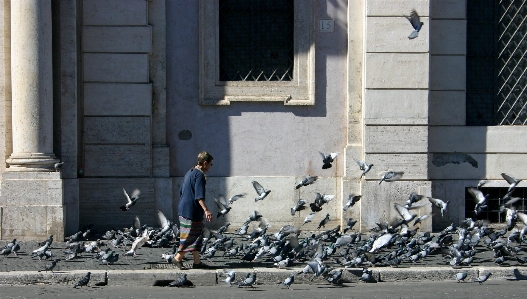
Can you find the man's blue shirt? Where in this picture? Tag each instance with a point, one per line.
(192, 189)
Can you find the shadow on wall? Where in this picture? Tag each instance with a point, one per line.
(254, 138)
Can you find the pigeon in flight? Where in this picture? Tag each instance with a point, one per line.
(438, 203)
(352, 200)
(320, 200)
(404, 212)
(349, 224)
(391, 176)
(235, 198)
(511, 180)
(415, 20)
(479, 198)
(83, 281)
(308, 180)
(223, 206)
(481, 183)
(300, 205)
(261, 191)
(309, 218)
(328, 159)
(365, 167)
(131, 200)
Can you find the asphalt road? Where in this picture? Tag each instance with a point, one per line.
(450, 289)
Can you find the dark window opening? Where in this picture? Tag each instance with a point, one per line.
(256, 40)
(496, 62)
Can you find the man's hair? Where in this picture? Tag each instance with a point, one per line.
(204, 157)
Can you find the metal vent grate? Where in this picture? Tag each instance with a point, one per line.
(256, 40)
(496, 62)
(492, 212)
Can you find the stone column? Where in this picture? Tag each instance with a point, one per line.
(32, 85)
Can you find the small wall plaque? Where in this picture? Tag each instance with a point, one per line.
(326, 25)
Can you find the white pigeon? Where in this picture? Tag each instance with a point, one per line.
(261, 191)
(138, 242)
(380, 242)
(131, 200)
(404, 212)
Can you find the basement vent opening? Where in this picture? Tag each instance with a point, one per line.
(494, 201)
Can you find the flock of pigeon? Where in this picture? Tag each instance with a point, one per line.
(324, 254)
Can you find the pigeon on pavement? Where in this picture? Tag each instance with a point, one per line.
(83, 281)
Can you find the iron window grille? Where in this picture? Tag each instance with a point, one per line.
(256, 40)
(494, 201)
(496, 62)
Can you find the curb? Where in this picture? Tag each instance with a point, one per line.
(266, 276)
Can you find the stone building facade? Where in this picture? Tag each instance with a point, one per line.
(126, 93)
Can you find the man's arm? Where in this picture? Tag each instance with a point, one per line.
(208, 214)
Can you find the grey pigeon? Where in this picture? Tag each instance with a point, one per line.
(235, 198)
(58, 166)
(511, 180)
(308, 180)
(415, 20)
(230, 277)
(438, 203)
(349, 224)
(181, 282)
(255, 216)
(289, 281)
(323, 222)
(223, 206)
(249, 280)
(391, 176)
(365, 167)
(328, 159)
(300, 205)
(261, 191)
(381, 242)
(482, 278)
(352, 200)
(481, 183)
(50, 266)
(461, 276)
(334, 276)
(404, 212)
(367, 276)
(83, 281)
(309, 217)
(479, 198)
(131, 200)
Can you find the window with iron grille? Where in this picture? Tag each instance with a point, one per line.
(496, 62)
(494, 201)
(256, 40)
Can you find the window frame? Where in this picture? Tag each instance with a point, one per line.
(299, 91)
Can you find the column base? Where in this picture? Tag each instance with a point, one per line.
(34, 162)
